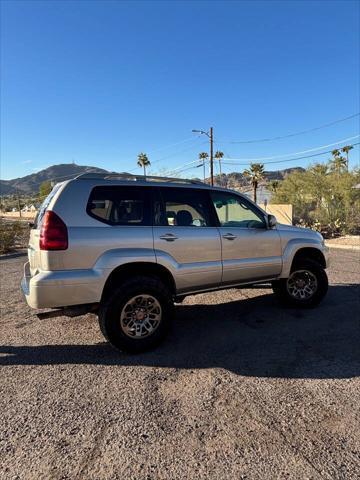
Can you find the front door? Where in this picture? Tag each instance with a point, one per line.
(186, 239)
(250, 250)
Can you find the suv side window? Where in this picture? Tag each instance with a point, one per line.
(183, 207)
(118, 205)
(234, 211)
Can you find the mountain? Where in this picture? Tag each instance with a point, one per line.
(6, 188)
(30, 183)
(237, 179)
(281, 174)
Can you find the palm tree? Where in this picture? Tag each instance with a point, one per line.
(143, 161)
(203, 156)
(346, 150)
(338, 164)
(219, 155)
(255, 174)
(335, 153)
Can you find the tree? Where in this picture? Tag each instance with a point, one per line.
(143, 161)
(45, 189)
(338, 164)
(323, 199)
(254, 174)
(274, 185)
(219, 155)
(346, 150)
(317, 183)
(203, 156)
(319, 169)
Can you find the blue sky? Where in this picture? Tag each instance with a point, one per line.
(96, 82)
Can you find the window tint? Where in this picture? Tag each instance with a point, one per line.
(183, 208)
(119, 205)
(233, 211)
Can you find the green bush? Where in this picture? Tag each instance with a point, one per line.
(323, 200)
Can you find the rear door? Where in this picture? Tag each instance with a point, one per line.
(250, 251)
(186, 239)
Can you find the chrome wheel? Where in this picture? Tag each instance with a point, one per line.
(302, 284)
(140, 316)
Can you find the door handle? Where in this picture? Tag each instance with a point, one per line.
(229, 236)
(169, 237)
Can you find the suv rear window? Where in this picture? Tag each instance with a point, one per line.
(119, 205)
(44, 206)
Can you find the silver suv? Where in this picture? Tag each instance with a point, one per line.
(128, 247)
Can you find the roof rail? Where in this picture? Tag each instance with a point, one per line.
(136, 178)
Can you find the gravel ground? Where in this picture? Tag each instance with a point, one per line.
(348, 240)
(242, 389)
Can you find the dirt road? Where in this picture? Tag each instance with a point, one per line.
(242, 389)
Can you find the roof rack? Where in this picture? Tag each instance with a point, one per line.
(136, 178)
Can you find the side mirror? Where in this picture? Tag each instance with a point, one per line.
(271, 221)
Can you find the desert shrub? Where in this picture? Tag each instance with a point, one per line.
(12, 235)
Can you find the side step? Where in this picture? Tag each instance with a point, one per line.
(73, 311)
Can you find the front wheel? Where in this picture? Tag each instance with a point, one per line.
(136, 317)
(306, 286)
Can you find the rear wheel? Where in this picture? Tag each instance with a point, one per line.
(137, 316)
(305, 287)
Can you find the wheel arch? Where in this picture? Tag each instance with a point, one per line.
(126, 270)
(309, 253)
(296, 250)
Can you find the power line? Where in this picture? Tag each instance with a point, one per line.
(173, 154)
(288, 159)
(260, 140)
(179, 152)
(295, 153)
(234, 161)
(180, 168)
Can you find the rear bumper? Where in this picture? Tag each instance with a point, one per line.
(62, 288)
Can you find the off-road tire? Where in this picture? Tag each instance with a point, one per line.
(110, 312)
(281, 291)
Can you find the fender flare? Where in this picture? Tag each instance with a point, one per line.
(294, 246)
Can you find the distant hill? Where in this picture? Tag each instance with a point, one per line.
(30, 183)
(237, 179)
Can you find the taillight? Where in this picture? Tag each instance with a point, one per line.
(53, 233)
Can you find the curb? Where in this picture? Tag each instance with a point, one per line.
(353, 248)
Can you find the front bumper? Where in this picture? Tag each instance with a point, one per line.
(62, 288)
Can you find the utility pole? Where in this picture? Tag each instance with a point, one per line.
(211, 156)
(211, 137)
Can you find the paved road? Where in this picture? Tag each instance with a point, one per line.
(242, 389)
